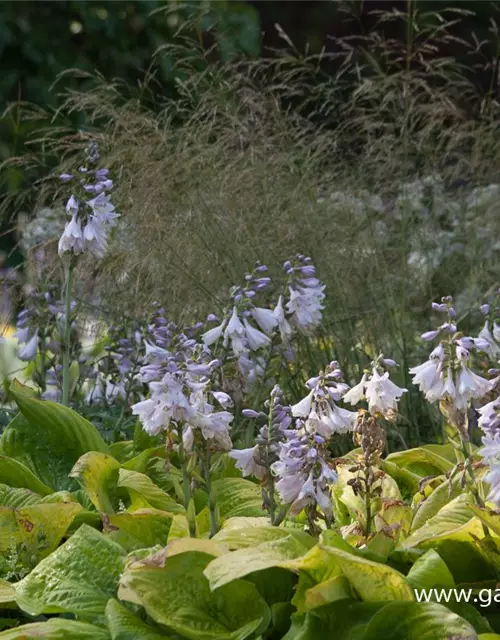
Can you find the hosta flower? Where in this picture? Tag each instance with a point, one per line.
(95, 236)
(305, 307)
(378, 390)
(319, 409)
(265, 318)
(382, 394)
(167, 402)
(247, 463)
(29, 350)
(304, 476)
(430, 376)
(491, 346)
(234, 333)
(491, 456)
(255, 338)
(440, 379)
(72, 238)
(306, 295)
(212, 335)
(489, 420)
(446, 376)
(284, 326)
(91, 219)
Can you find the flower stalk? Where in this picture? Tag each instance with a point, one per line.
(67, 334)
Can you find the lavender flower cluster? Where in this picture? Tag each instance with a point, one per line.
(91, 217)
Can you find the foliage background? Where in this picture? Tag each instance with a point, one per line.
(414, 99)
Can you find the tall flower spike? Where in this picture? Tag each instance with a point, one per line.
(91, 219)
(446, 376)
(306, 292)
(304, 477)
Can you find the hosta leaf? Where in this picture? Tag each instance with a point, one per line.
(252, 536)
(177, 594)
(455, 521)
(142, 528)
(125, 625)
(373, 581)
(431, 505)
(56, 629)
(16, 474)
(39, 528)
(490, 518)
(122, 451)
(373, 621)
(422, 461)
(17, 497)
(415, 621)
(430, 571)
(237, 497)
(49, 440)
(97, 473)
(183, 545)
(79, 577)
(140, 462)
(145, 493)
(242, 562)
(343, 621)
(7, 593)
(407, 480)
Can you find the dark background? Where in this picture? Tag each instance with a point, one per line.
(41, 40)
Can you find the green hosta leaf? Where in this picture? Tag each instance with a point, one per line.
(345, 620)
(241, 538)
(407, 480)
(490, 518)
(372, 581)
(17, 497)
(175, 593)
(414, 621)
(314, 568)
(242, 562)
(454, 521)
(431, 505)
(125, 625)
(122, 451)
(237, 497)
(430, 571)
(49, 440)
(38, 528)
(16, 474)
(145, 493)
(422, 461)
(376, 621)
(142, 528)
(97, 473)
(183, 545)
(140, 462)
(331, 590)
(7, 593)
(446, 451)
(489, 636)
(57, 629)
(79, 577)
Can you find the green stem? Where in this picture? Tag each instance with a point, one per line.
(368, 509)
(270, 478)
(214, 524)
(186, 484)
(67, 334)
